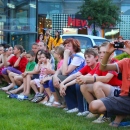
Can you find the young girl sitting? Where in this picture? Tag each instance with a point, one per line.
(43, 65)
(58, 55)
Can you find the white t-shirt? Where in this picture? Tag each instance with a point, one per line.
(76, 61)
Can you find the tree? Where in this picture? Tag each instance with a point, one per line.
(102, 13)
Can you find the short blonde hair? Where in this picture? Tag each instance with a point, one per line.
(60, 51)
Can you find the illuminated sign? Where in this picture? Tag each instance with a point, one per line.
(77, 22)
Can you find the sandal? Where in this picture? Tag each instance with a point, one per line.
(114, 124)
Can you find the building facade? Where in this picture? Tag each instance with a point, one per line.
(18, 22)
(22, 20)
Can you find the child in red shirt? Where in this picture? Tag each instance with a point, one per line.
(16, 64)
(107, 83)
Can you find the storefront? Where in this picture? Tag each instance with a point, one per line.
(67, 24)
(60, 16)
(22, 20)
(54, 16)
(18, 22)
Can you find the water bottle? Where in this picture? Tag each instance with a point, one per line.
(22, 97)
(125, 124)
(17, 96)
(12, 96)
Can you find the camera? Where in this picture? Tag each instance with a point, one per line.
(24, 50)
(118, 44)
(6, 49)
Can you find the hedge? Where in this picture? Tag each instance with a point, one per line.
(123, 55)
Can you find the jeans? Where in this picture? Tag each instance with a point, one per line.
(74, 98)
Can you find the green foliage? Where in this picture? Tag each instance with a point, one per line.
(121, 56)
(102, 13)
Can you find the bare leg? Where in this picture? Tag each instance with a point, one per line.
(26, 83)
(87, 91)
(97, 107)
(117, 120)
(55, 96)
(11, 76)
(17, 90)
(6, 78)
(8, 87)
(41, 89)
(101, 89)
(33, 86)
(18, 80)
(48, 91)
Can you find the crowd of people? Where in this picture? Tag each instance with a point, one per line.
(59, 75)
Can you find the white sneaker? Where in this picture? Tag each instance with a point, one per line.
(49, 104)
(102, 119)
(45, 102)
(65, 109)
(72, 110)
(83, 113)
(51, 99)
(91, 115)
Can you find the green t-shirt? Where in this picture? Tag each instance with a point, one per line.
(30, 66)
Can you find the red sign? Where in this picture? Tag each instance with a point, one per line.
(77, 22)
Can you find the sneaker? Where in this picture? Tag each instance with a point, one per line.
(83, 113)
(48, 104)
(65, 109)
(90, 115)
(40, 95)
(102, 119)
(44, 102)
(51, 99)
(72, 110)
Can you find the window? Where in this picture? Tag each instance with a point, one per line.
(99, 41)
